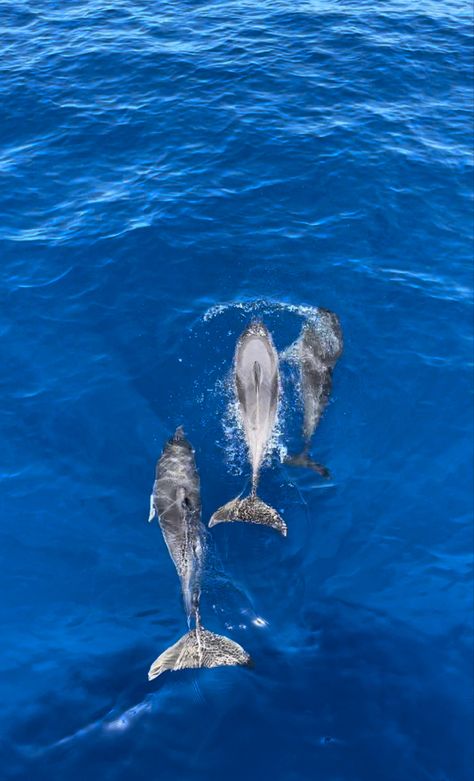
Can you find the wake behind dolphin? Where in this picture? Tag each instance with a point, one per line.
(177, 502)
(257, 385)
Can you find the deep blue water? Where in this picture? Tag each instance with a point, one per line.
(167, 171)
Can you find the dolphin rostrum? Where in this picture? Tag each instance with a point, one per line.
(316, 352)
(176, 501)
(257, 386)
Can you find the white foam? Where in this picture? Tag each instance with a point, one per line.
(260, 622)
(262, 306)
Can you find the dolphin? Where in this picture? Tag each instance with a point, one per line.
(257, 387)
(176, 501)
(316, 352)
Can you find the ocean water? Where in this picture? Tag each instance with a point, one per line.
(168, 171)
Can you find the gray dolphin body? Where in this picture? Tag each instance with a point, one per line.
(316, 351)
(176, 501)
(257, 386)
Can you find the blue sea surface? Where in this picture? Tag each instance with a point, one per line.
(168, 171)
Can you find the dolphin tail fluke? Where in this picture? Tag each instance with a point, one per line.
(250, 509)
(302, 459)
(199, 648)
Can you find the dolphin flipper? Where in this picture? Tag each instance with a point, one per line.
(250, 509)
(152, 513)
(199, 648)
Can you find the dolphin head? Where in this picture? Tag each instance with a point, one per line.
(255, 328)
(323, 336)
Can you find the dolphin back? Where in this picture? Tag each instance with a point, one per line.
(176, 500)
(257, 385)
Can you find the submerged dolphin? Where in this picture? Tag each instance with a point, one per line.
(177, 502)
(316, 352)
(257, 385)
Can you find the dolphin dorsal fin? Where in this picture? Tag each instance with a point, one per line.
(257, 374)
(182, 498)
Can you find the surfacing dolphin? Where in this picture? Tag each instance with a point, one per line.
(257, 386)
(176, 501)
(316, 352)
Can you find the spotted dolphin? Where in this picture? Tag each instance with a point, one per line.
(316, 352)
(257, 387)
(176, 500)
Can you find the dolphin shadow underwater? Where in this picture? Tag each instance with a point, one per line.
(315, 353)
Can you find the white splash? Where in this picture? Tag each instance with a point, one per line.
(259, 621)
(263, 306)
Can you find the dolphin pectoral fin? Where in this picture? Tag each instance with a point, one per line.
(303, 460)
(251, 510)
(152, 509)
(199, 648)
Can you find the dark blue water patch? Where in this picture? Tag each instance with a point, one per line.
(359, 670)
(168, 174)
